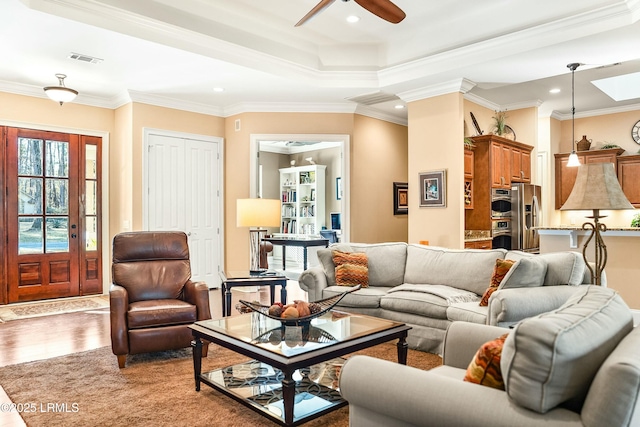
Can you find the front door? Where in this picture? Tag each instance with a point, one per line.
(53, 215)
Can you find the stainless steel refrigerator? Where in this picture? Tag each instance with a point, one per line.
(525, 216)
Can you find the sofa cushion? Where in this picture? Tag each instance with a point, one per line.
(467, 312)
(484, 368)
(618, 376)
(426, 264)
(563, 268)
(424, 300)
(552, 358)
(500, 270)
(325, 256)
(351, 268)
(526, 273)
(362, 298)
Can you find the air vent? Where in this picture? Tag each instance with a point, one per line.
(374, 98)
(84, 58)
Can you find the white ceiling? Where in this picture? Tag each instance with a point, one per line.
(170, 53)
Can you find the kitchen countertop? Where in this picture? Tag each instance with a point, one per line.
(476, 235)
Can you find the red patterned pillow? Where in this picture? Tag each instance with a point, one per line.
(499, 271)
(351, 268)
(484, 369)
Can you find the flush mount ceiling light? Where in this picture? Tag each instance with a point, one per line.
(60, 93)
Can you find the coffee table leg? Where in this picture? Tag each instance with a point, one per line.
(197, 360)
(283, 291)
(288, 396)
(227, 303)
(402, 350)
(272, 288)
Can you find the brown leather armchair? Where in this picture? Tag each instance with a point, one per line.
(152, 297)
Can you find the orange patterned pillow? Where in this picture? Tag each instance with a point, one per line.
(484, 369)
(499, 271)
(351, 269)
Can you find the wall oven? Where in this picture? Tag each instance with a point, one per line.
(500, 203)
(501, 233)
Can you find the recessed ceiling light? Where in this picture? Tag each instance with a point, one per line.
(399, 107)
(353, 18)
(554, 90)
(218, 89)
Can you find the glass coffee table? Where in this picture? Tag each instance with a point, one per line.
(292, 374)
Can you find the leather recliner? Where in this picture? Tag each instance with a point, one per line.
(152, 297)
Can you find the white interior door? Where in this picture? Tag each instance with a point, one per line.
(183, 194)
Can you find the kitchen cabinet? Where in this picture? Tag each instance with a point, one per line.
(520, 165)
(566, 176)
(479, 244)
(492, 168)
(468, 179)
(629, 177)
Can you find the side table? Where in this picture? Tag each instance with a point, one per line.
(232, 279)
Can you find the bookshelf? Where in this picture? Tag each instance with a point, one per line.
(302, 192)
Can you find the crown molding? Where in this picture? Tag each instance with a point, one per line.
(167, 102)
(290, 107)
(364, 110)
(594, 113)
(458, 85)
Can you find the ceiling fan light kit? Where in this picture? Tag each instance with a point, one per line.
(60, 93)
(384, 9)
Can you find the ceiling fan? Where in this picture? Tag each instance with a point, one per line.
(384, 9)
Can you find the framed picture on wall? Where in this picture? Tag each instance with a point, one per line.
(400, 198)
(433, 188)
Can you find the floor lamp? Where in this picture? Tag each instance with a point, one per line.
(596, 188)
(255, 214)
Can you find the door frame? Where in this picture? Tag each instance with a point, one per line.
(106, 241)
(345, 167)
(146, 133)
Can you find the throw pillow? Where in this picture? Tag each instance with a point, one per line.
(500, 270)
(484, 369)
(526, 273)
(351, 268)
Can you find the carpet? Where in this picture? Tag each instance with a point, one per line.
(37, 309)
(156, 389)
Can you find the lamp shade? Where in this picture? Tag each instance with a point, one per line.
(60, 93)
(258, 213)
(596, 187)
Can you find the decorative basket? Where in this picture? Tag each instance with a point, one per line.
(309, 334)
(325, 304)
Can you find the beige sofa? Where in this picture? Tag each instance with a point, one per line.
(575, 366)
(429, 287)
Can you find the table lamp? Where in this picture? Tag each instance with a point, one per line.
(255, 214)
(596, 188)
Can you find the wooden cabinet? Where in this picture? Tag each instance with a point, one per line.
(629, 177)
(520, 165)
(493, 160)
(468, 179)
(479, 244)
(566, 176)
(500, 165)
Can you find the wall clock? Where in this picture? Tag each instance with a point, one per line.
(635, 132)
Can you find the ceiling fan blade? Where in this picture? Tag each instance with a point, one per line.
(383, 9)
(317, 9)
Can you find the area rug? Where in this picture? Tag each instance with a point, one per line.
(37, 309)
(156, 389)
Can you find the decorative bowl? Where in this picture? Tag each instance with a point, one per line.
(325, 305)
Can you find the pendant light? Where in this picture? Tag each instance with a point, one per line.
(60, 93)
(573, 157)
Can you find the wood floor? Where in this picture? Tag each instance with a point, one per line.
(46, 337)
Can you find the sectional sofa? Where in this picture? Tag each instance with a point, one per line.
(430, 287)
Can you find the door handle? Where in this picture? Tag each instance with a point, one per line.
(73, 235)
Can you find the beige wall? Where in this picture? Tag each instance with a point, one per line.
(379, 153)
(436, 134)
(369, 152)
(622, 266)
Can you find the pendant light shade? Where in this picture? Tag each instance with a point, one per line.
(60, 93)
